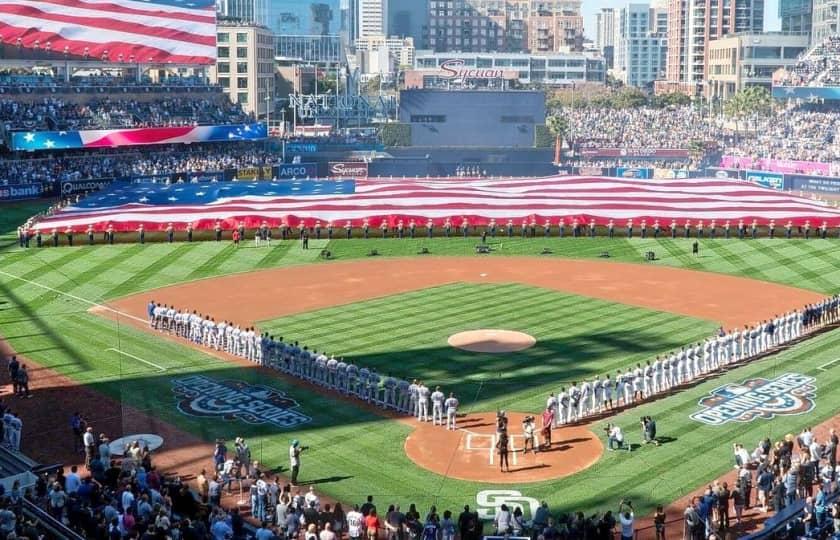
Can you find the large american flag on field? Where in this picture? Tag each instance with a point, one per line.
(126, 206)
(170, 31)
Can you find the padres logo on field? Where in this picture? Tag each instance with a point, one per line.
(236, 400)
(490, 501)
(787, 394)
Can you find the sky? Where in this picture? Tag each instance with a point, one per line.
(591, 7)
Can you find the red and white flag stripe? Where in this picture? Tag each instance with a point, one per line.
(479, 201)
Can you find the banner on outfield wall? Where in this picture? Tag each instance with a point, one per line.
(349, 169)
(592, 171)
(21, 192)
(787, 166)
(633, 172)
(288, 171)
(185, 177)
(732, 174)
(71, 187)
(254, 173)
(650, 153)
(659, 172)
(301, 148)
(766, 179)
(817, 184)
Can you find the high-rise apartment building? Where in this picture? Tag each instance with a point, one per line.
(605, 34)
(504, 25)
(825, 20)
(409, 19)
(796, 16)
(371, 18)
(693, 23)
(640, 51)
(246, 11)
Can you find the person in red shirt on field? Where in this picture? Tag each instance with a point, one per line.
(372, 524)
(547, 422)
(235, 238)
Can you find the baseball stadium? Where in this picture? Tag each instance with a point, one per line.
(446, 303)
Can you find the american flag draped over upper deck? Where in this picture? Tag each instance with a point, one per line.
(170, 31)
(127, 206)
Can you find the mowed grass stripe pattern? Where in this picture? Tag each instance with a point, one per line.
(577, 337)
(813, 264)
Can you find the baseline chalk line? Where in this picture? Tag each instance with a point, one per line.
(73, 296)
(823, 367)
(160, 368)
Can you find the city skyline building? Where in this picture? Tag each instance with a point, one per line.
(640, 50)
(692, 24)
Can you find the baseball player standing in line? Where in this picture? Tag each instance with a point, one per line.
(414, 398)
(390, 386)
(437, 406)
(608, 392)
(562, 406)
(423, 399)
(403, 396)
(451, 405)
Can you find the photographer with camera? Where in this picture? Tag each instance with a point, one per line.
(294, 459)
(627, 519)
(528, 433)
(615, 438)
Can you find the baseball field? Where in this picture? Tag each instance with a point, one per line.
(78, 314)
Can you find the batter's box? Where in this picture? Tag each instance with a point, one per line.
(486, 443)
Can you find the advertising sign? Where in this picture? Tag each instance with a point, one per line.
(288, 171)
(669, 173)
(22, 192)
(356, 169)
(790, 166)
(254, 173)
(816, 184)
(651, 153)
(69, 187)
(633, 172)
(767, 179)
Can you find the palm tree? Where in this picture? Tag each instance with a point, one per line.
(558, 126)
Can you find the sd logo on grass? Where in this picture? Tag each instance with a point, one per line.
(236, 400)
(787, 394)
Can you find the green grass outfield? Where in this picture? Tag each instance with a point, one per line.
(357, 453)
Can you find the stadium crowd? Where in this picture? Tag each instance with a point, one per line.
(170, 159)
(808, 133)
(643, 127)
(773, 476)
(58, 113)
(820, 67)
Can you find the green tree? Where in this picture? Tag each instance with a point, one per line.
(558, 125)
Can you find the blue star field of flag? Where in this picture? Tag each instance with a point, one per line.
(152, 194)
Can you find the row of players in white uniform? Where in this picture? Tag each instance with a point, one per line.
(366, 384)
(687, 364)
(579, 401)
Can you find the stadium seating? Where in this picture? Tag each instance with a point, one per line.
(820, 66)
(72, 113)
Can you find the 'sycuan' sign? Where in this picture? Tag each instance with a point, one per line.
(455, 69)
(356, 169)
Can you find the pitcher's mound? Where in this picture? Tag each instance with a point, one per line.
(468, 453)
(491, 341)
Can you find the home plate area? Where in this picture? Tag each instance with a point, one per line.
(469, 453)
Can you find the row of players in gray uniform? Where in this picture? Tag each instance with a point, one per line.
(674, 369)
(366, 384)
